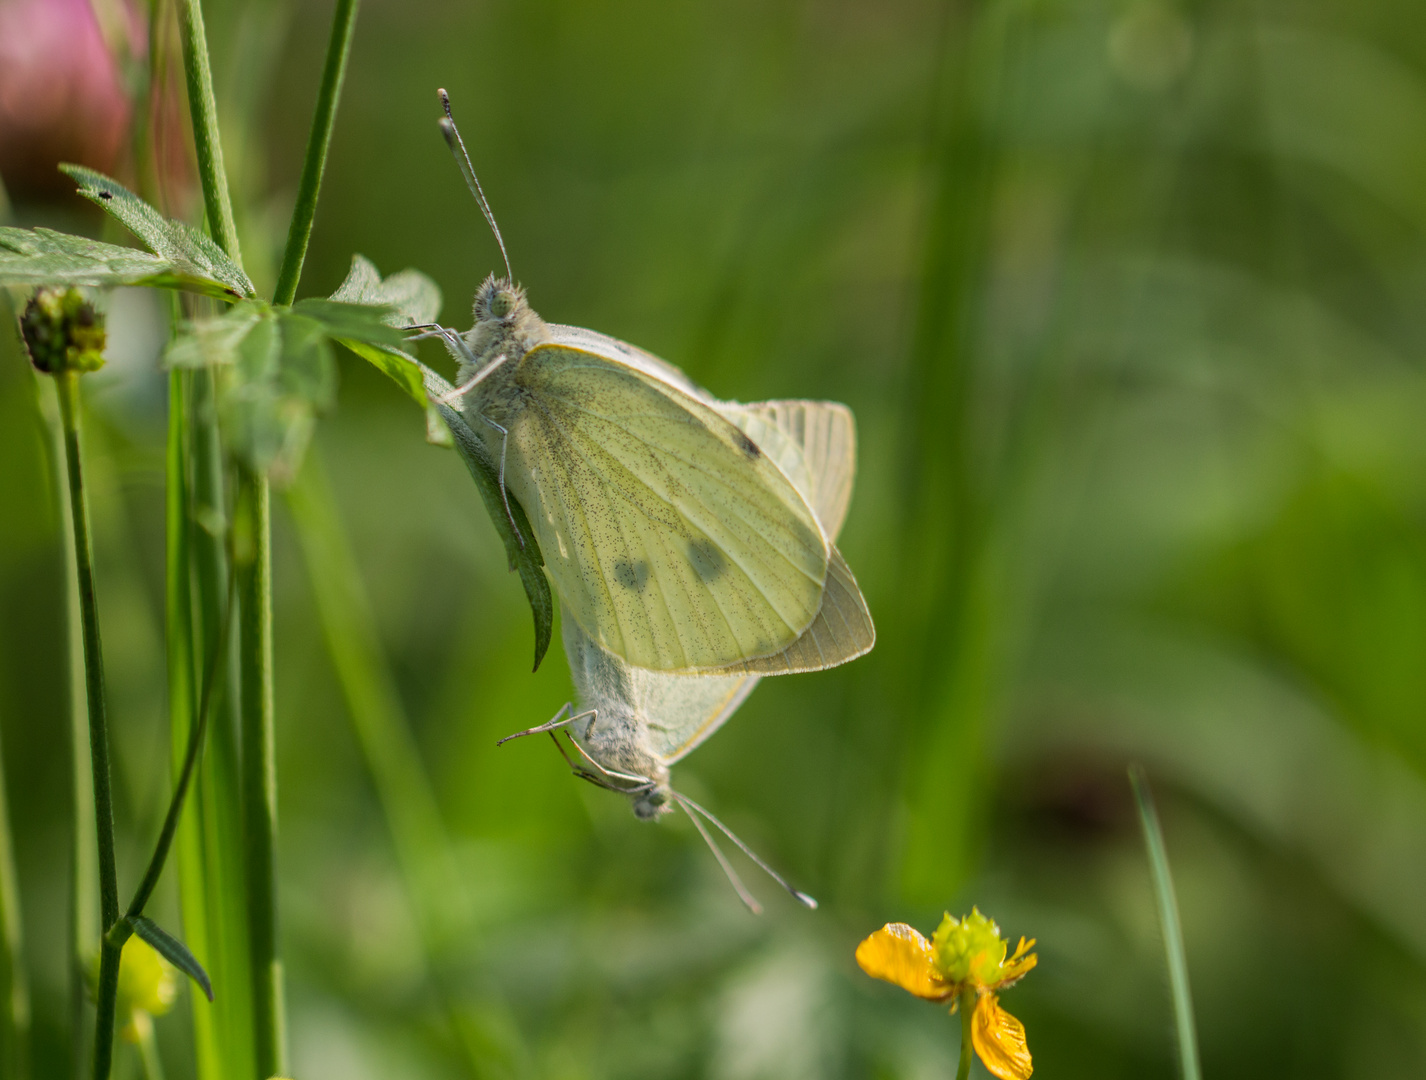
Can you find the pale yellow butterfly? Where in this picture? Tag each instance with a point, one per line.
(673, 540)
(636, 723)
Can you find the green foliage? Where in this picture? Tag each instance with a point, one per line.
(414, 300)
(182, 257)
(280, 371)
(193, 253)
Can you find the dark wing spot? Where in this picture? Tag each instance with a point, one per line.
(748, 446)
(706, 559)
(632, 575)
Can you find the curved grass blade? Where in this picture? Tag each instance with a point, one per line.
(1169, 922)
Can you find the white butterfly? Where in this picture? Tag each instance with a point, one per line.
(636, 723)
(675, 539)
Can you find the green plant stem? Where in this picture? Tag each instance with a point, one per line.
(83, 842)
(14, 988)
(1169, 923)
(259, 780)
(185, 775)
(67, 384)
(206, 141)
(320, 138)
(966, 1005)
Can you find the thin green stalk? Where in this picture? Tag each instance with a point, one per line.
(206, 141)
(259, 773)
(14, 987)
(333, 72)
(180, 788)
(966, 1005)
(1169, 923)
(210, 846)
(83, 839)
(67, 384)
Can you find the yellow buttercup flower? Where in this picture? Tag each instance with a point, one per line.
(964, 962)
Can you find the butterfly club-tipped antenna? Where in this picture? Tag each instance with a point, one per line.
(457, 145)
(689, 808)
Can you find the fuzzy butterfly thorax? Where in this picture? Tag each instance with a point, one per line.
(505, 326)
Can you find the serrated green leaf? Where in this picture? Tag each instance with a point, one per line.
(411, 298)
(190, 251)
(44, 257)
(522, 552)
(414, 296)
(172, 950)
(358, 322)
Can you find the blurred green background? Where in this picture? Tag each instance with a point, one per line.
(1127, 298)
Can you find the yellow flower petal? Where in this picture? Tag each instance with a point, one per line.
(999, 1039)
(898, 954)
(1016, 967)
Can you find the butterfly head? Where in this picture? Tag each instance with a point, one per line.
(504, 322)
(499, 300)
(649, 804)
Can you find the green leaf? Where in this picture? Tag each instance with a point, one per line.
(358, 321)
(172, 950)
(524, 557)
(411, 294)
(410, 298)
(46, 257)
(190, 251)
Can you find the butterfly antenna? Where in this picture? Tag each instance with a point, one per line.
(797, 894)
(737, 882)
(457, 145)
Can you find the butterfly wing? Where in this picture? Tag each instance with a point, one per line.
(824, 435)
(673, 540)
(681, 711)
(817, 442)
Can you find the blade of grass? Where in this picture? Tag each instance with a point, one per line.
(67, 385)
(253, 547)
(14, 987)
(210, 834)
(258, 787)
(1169, 923)
(333, 72)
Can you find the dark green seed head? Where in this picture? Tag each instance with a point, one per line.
(63, 331)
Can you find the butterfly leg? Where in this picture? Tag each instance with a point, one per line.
(450, 337)
(505, 495)
(640, 782)
(559, 720)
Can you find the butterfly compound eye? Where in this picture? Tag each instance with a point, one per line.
(502, 302)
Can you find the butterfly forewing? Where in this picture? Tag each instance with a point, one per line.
(673, 540)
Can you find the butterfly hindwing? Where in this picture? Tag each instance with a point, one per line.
(817, 442)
